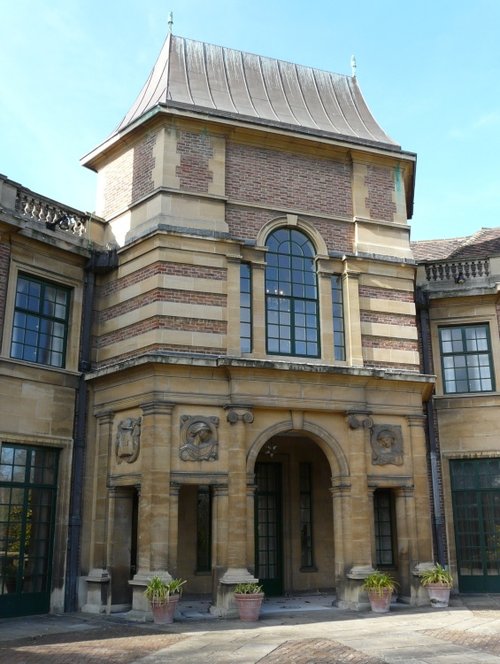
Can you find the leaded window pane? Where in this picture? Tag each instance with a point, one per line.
(291, 289)
(466, 359)
(40, 322)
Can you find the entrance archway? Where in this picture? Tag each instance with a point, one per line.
(293, 515)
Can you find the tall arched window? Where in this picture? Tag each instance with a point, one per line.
(291, 295)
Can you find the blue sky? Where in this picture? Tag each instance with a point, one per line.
(429, 71)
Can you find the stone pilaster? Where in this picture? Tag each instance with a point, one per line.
(422, 529)
(98, 577)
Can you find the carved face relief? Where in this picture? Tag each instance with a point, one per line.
(199, 439)
(387, 445)
(128, 439)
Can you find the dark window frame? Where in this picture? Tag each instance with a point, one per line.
(40, 324)
(459, 360)
(204, 507)
(246, 316)
(306, 518)
(339, 351)
(384, 513)
(292, 295)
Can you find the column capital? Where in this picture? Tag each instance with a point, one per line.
(357, 419)
(157, 407)
(416, 420)
(237, 413)
(104, 416)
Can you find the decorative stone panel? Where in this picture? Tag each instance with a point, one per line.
(199, 438)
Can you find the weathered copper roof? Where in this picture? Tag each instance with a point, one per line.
(483, 243)
(223, 82)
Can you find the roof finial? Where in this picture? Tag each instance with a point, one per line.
(170, 21)
(353, 66)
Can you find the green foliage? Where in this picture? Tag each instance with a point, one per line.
(438, 574)
(378, 582)
(158, 590)
(248, 589)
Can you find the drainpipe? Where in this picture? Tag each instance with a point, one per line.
(438, 525)
(99, 262)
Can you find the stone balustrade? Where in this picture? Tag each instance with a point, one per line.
(457, 271)
(40, 209)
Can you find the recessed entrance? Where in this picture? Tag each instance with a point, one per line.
(293, 516)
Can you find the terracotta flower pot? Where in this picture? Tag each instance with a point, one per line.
(380, 601)
(439, 595)
(249, 606)
(163, 613)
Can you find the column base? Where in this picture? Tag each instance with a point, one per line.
(98, 584)
(139, 583)
(225, 606)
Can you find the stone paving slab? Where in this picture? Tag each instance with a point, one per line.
(466, 633)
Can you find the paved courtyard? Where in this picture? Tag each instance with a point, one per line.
(300, 631)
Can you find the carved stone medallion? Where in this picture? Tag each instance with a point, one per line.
(387, 445)
(199, 438)
(128, 439)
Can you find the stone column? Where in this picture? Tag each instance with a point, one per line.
(361, 515)
(98, 576)
(360, 424)
(220, 521)
(154, 502)
(173, 533)
(237, 564)
(404, 543)
(341, 504)
(422, 532)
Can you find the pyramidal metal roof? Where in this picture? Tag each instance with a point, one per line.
(226, 83)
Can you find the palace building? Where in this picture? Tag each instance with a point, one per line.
(244, 397)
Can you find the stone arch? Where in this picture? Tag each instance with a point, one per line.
(331, 448)
(293, 221)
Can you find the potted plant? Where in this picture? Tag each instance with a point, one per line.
(163, 597)
(438, 581)
(248, 598)
(379, 587)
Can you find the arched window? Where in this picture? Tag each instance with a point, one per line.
(291, 295)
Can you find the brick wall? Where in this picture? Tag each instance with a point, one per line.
(201, 312)
(395, 321)
(160, 267)
(380, 184)
(4, 276)
(288, 180)
(162, 323)
(162, 295)
(386, 294)
(245, 223)
(129, 177)
(195, 150)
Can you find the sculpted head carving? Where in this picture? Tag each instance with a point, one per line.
(199, 438)
(387, 445)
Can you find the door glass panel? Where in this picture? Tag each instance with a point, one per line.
(476, 511)
(268, 527)
(28, 478)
